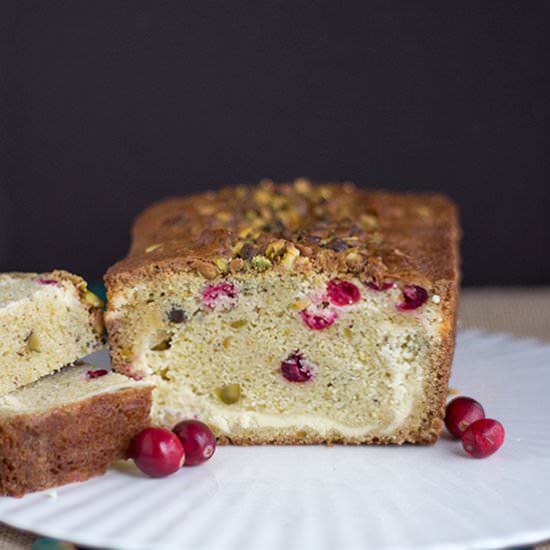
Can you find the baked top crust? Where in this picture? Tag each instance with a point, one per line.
(299, 226)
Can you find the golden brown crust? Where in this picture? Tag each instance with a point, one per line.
(300, 226)
(70, 443)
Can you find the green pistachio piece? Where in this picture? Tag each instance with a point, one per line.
(238, 324)
(221, 264)
(261, 263)
(92, 299)
(230, 393)
(33, 342)
(161, 346)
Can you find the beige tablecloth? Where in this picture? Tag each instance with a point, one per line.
(523, 312)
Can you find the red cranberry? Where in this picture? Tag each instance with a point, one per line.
(197, 439)
(483, 437)
(383, 286)
(413, 297)
(342, 293)
(96, 373)
(225, 294)
(295, 368)
(47, 281)
(460, 413)
(318, 317)
(157, 452)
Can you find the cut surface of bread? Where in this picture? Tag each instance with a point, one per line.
(292, 313)
(47, 321)
(68, 426)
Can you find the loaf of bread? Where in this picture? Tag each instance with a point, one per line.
(292, 313)
(47, 321)
(68, 426)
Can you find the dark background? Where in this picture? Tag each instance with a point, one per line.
(107, 106)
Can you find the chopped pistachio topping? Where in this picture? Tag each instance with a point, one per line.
(290, 255)
(275, 248)
(222, 264)
(261, 263)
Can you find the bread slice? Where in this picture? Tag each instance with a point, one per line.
(292, 313)
(68, 426)
(47, 321)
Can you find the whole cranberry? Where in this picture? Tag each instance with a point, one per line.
(157, 452)
(198, 441)
(460, 413)
(483, 437)
(342, 293)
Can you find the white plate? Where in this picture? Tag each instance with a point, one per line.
(342, 497)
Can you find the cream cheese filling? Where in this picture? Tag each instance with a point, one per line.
(224, 419)
(32, 291)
